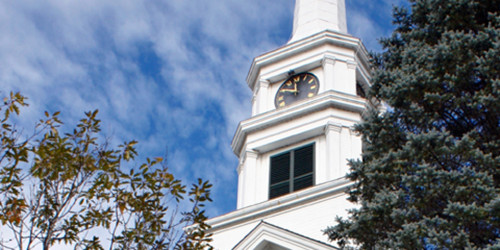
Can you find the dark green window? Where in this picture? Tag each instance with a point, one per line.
(291, 171)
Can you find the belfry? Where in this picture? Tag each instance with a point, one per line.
(293, 150)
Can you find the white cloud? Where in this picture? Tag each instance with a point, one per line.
(371, 20)
(76, 56)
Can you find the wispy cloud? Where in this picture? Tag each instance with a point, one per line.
(170, 74)
(371, 20)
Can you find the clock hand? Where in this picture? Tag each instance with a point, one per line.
(288, 90)
(294, 90)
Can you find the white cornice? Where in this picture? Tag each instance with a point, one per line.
(261, 210)
(300, 46)
(329, 99)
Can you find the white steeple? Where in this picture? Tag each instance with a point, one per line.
(293, 150)
(313, 16)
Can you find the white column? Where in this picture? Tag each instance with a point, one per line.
(333, 148)
(255, 105)
(261, 180)
(345, 77)
(351, 74)
(241, 185)
(263, 96)
(250, 177)
(328, 72)
(345, 149)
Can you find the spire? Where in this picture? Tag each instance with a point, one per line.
(313, 16)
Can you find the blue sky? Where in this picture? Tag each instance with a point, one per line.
(168, 73)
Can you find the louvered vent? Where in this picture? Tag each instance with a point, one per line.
(292, 171)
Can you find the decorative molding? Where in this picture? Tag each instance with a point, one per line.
(306, 135)
(301, 46)
(264, 83)
(328, 59)
(365, 72)
(262, 94)
(306, 63)
(239, 168)
(323, 101)
(241, 163)
(327, 190)
(266, 234)
(246, 155)
(351, 64)
(332, 127)
(251, 154)
(254, 97)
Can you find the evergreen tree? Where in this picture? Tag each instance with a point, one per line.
(430, 171)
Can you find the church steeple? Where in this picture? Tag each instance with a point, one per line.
(293, 150)
(305, 98)
(313, 16)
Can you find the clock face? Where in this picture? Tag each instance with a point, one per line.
(297, 87)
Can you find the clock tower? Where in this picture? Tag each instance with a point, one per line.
(293, 150)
